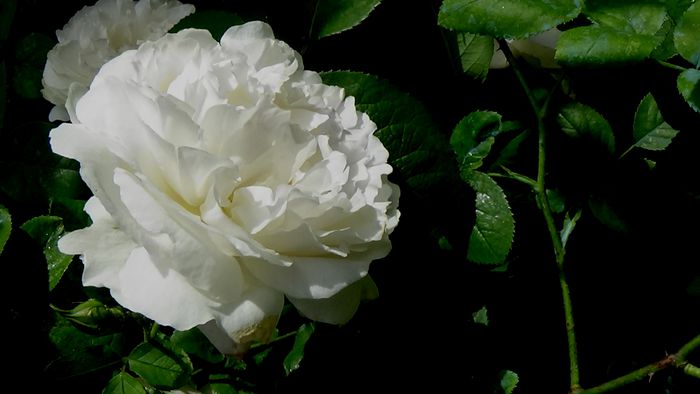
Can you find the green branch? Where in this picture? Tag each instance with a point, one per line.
(674, 360)
(541, 192)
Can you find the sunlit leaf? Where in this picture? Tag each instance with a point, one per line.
(157, 365)
(598, 45)
(583, 122)
(687, 35)
(689, 86)
(334, 16)
(47, 230)
(638, 17)
(123, 383)
(5, 227)
(475, 54)
(294, 357)
(492, 235)
(481, 316)
(509, 381)
(506, 18)
(651, 132)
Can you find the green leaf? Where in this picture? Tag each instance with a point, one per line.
(689, 85)
(123, 383)
(294, 357)
(335, 16)
(638, 17)
(506, 18)
(509, 381)
(557, 201)
(30, 58)
(687, 35)
(194, 342)
(492, 235)
(5, 227)
(568, 227)
(47, 230)
(509, 152)
(475, 54)
(216, 21)
(157, 365)
(481, 316)
(473, 137)
(418, 151)
(651, 132)
(599, 45)
(606, 214)
(218, 388)
(583, 122)
(667, 48)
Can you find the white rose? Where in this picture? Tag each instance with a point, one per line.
(97, 34)
(226, 177)
(537, 50)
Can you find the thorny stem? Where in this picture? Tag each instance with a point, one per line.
(541, 192)
(677, 360)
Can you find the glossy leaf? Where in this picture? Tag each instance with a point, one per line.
(638, 17)
(5, 227)
(651, 132)
(492, 235)
(47, 230)
(689, 86)
(158, 366)
(687, 35)
(418, 151)
(123, 383)
(475, 54)
(294, 357)
(599, 45)
(506, 18)
(335, 16)
(473, 137)
(583, 122)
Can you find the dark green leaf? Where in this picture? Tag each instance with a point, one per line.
(334, 16)
(598, 45)
(218, 388)
(509, 381)
(195, 343)
(651, 132)
(294, 357)
(216, 21)
(47, 230)
(158, 366)
(475, 54)
(606, 214)
(667, 48)
(638, 17)
(473, 137)
(418, 151)
(3, 92)
(5, 227)
(557, 202)
(492, 235)
(7, 14)
(583, 122)
(507, 155)
(481, 316)
(80, 353)
(506, 18)
(689, 85)
(687, 35)
(30, 58)
(123, 383)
